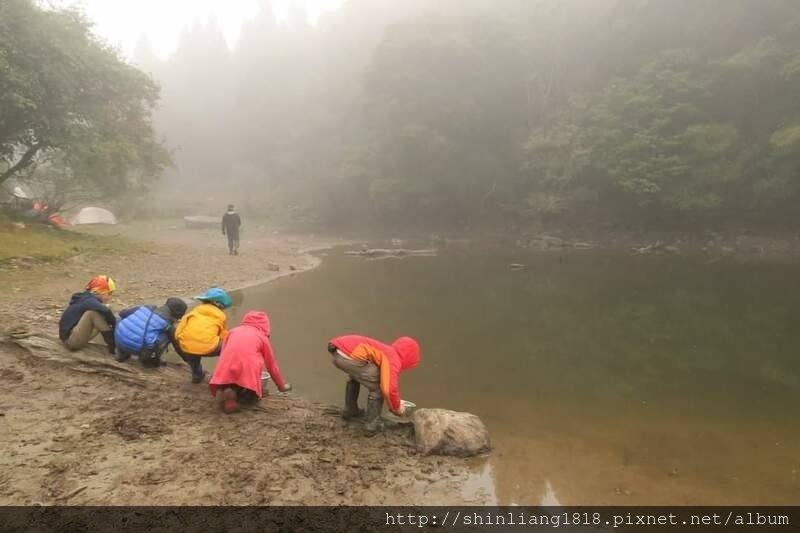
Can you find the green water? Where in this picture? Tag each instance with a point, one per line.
(603, 378)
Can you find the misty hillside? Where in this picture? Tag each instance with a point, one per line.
(490, 111)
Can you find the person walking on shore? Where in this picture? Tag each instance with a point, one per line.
(230, 227)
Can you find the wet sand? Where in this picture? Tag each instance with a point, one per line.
(82, 439)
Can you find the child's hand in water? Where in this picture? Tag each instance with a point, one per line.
(286, 387)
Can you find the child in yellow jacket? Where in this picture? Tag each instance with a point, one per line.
(201, 331)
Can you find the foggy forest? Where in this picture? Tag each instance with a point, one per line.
(457, 111)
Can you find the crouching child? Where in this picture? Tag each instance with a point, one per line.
(202, 331)
(246, 353)
(377, 366)
(146, 331)
(88, 315)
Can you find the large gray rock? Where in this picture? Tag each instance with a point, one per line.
(443, 432)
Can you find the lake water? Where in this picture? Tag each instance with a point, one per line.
(604, 378)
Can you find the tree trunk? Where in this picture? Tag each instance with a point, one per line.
(25, 161)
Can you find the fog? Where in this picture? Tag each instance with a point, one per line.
(124, 23)
(475, 112)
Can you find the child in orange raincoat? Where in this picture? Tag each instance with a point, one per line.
(377, 366)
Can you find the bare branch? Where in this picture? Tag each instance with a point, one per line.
(25, 161)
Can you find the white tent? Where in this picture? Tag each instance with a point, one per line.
(94, 215)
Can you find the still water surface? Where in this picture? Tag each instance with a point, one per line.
(604, 378)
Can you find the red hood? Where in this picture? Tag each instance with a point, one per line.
(408, 350)
(258, 320)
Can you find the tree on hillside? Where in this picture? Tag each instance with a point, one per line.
(196, 114)
(445, 124)
(631, 110)
(145, 58)
(68, 99)
(702, 129)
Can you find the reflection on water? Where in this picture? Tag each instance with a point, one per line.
(549, 499)
(479, 488)
(603, 378)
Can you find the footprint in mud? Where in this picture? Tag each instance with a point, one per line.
(10, 375)
(239, 479)
(135, 428)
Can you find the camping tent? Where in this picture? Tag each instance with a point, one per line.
(94, 215)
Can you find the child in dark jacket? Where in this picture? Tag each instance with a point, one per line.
(145, 331)
(87, 315)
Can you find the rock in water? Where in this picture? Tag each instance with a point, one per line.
(443, 432)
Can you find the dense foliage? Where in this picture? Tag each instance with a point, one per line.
(72, 113)
(485, 110)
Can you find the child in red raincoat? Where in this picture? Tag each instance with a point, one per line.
(247, 351)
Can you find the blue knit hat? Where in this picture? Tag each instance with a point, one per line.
(217, 296)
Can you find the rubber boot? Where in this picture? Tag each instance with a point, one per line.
(152, 358)
(351, 409)
(373, 423)
(230, 402)
(247, 397)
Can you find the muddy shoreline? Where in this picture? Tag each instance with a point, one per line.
(79, 438)
(76, 438)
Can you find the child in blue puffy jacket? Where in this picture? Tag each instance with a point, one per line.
(144, 331)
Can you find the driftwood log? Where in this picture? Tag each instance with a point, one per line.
(93, 359)
(545, 242)
(383, 253)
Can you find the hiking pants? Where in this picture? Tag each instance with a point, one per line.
(365, 372)
(195, 361)
(233, 241)
(88, 327)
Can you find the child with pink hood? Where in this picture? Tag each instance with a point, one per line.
(245, 354)
(377, 366)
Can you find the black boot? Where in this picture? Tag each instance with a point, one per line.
(156, 358)
(150, 357)
(108, 336)
(351, 409)
(373, 423)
